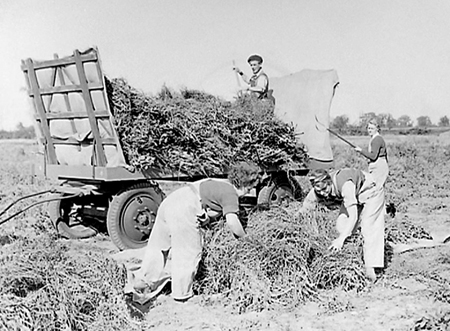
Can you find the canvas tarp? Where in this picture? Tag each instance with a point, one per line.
(299, 98)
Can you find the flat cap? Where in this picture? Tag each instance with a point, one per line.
(255, 57)
(318, 175)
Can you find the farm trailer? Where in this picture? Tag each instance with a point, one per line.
(98, 190)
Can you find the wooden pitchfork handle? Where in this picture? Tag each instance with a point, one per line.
(334, 133)
(238, 80)
(237, 77)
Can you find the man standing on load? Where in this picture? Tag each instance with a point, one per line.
(258, 83)
(360, 198)
(175, 245)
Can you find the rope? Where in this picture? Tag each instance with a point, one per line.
(34, 204)
(22, 198)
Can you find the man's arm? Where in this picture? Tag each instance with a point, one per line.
(243, 76)
(235, 225)
(346, 225)
(375, 146)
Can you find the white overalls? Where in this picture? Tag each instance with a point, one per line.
(174, 247)
(371, 217)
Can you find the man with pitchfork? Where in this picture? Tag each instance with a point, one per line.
(258, 83)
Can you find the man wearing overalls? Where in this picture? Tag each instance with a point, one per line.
(175, 244)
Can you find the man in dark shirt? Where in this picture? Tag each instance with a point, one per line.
(175, 245)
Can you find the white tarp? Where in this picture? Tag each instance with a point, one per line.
(302, 96)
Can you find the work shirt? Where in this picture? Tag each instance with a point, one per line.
(260, 80)
(348, 184)
(219, 196)
(377, 149)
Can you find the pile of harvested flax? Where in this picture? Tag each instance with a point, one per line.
(276, 263)
(284, 260)
(44, 285)
(199, 134)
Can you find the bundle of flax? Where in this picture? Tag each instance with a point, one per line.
(195, 133)
(44, 285)
(283, 261)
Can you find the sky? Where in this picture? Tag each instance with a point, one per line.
(391, 56)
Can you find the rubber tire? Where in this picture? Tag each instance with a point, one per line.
(268, 195)
(114, 220)
(55, 211)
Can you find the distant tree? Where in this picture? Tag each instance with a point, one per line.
(381, 119)
(340, 122)
(386, 120)
(423, 121)
(5, 134)
(391, 122)
(366, 117)
(24, 132)
(21, 132)
(444, 121)
(404, 121)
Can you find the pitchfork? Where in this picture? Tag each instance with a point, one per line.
(332, 132)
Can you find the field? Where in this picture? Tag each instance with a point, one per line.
(75, 284)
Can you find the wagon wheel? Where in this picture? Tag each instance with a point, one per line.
(68, 220)
(132, 213)
(280, 189)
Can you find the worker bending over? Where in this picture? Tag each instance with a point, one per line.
(354, 188)
(175, 244)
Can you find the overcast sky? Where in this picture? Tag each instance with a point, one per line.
(392, 56)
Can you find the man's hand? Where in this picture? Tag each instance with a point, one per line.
(358, 149)
(336, 244)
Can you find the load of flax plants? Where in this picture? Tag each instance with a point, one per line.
(195, 133)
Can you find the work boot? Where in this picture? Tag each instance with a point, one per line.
(145, 292)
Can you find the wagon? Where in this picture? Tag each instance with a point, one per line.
(98, 190)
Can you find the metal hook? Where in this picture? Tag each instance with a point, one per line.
(332, 132)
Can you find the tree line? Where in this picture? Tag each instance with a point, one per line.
(340, 123)
(386, 121)
(20, 132)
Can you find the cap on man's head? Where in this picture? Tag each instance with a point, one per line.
(255, 57)
(317, 176)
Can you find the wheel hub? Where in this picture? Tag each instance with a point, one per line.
(144, 219)
(140, 218)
